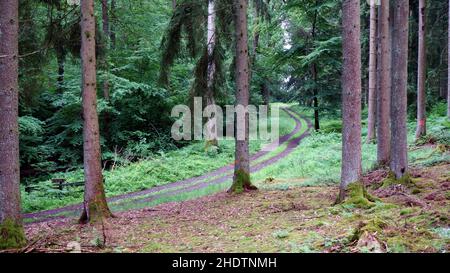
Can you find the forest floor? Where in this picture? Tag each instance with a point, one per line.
(293, 210)
(297, 219)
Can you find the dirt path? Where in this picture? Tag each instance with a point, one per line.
(218, 176)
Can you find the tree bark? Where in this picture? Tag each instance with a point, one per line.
(241, 179)
(95, 206)
(314, 76)
(399, 156)
(174, 4)
(351, 96)
(112, 30)
(61, 60)
(11, 228)
(372, 73)
(211, 71)
(384, 98)
(315, 99)
(421, 73)
(448, 65)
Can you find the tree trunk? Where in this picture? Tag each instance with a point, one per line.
(211, 70)
(315, 99)
(384, 98)
(372, 73)
(448, 65)
(241, 179)
(351, 96)
(95, 206)
(399, 156)
(61, 59)
(174, 4)
(112, 31)
(266, 94)
(105, 18)
(314, 76)
(421, 74)
(11, 229)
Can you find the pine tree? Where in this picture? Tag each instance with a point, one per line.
(11, 229)
(421, 73)
(351, 96)
(95, 206)
(372, 72)
(383, 96)
(241, 179)
(399, 145)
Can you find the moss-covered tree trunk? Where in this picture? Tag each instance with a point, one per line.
(421, 128)
(372, 72)
(399, 145)
(95, 206)
(241, 179)
(351, 96)
(11, 229)
(383, 96)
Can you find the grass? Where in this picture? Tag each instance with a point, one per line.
(190, 161)
(286, 216)
(316, 162)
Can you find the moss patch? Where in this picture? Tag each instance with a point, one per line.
(358, 196)
(11, 235)
(391, 180)
(241, 182)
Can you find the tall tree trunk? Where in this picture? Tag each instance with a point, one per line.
(399, 148)
(174, 4)
(211, 71)
(61, 60)
(112, 30)
(105, 18)
(95, 206)
(448, 64)
(421, 74)
(11, 229)
(314, 76)
(383, 97)
(241, 179)
(351, 96)
(315, 99)
(372, 72)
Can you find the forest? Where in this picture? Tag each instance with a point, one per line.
(224, 126)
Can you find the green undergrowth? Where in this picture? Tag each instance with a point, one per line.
(318, 159)
(164, 168)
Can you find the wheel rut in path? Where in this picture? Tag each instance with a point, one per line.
(217, 176)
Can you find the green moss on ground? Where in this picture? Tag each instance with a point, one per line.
(357, 196)
(391, 180)
(374, 225)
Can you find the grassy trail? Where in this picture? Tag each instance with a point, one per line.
(209, 183)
